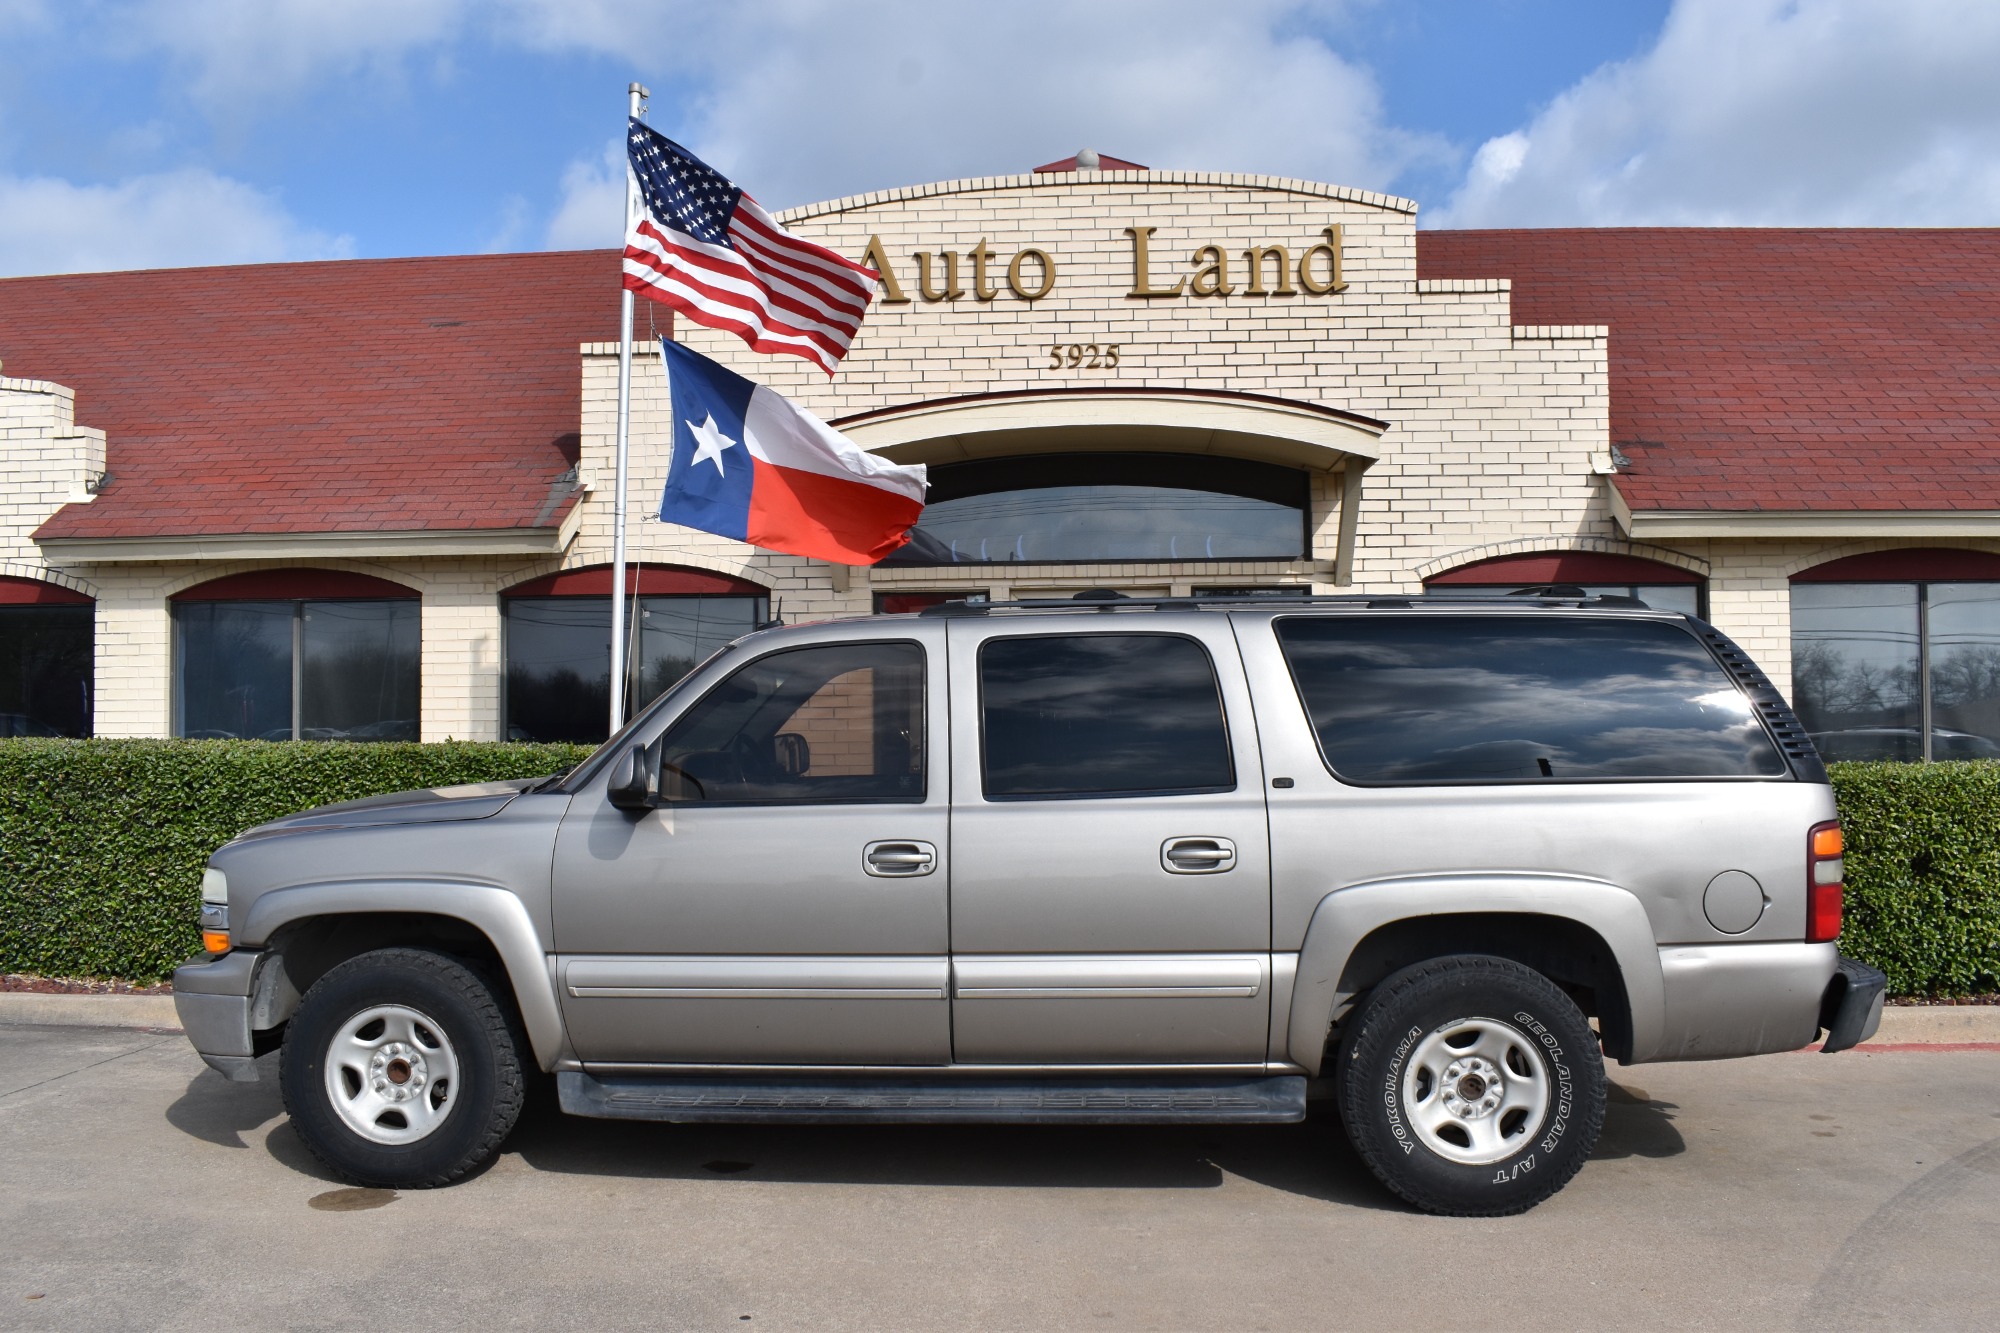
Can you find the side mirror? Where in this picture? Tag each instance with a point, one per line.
(629, 788)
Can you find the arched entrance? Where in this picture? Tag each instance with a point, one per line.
(1123, 488)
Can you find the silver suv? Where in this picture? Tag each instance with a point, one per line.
(1090, 862)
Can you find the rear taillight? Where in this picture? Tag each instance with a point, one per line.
(1823, 872)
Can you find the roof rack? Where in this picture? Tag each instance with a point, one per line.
(1104, 599)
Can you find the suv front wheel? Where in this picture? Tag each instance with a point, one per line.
(1471, 1086)
(402, 1070)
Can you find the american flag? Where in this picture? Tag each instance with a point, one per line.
(711, 252)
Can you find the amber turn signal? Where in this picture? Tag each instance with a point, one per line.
(1826, 840)
(215, 941)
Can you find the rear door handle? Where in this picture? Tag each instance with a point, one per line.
(1197, 856)
(899, 860)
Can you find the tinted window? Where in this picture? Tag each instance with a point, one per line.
(1857, 668)
(1859, 652)
(235, 669)
(559, 656)
(45, 670)
(1096, 714)
(357, 669)
(1061, 508)
(1493, 699)
(844, 722)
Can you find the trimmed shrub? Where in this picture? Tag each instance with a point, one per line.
(1923, 873)
(102, 845)
(102, 842)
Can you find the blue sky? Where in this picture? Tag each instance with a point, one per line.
(138, 133)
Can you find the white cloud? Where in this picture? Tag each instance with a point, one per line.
(810, 99)
(241, 54)
(591, 212)
(1766, 112)
(160, 221)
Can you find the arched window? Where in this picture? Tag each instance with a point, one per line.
(45, 659)
(297, 654)
(559, 642)
(1896, 654)
(1668, 587)
(1095, 508)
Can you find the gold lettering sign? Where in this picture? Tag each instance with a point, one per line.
(1269, 270)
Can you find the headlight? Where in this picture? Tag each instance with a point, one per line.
(214, 911)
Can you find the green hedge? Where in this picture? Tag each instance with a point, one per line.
(102, 842)
(1923, 873)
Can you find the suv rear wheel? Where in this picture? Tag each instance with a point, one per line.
(402, 1070)
(1471, 1086)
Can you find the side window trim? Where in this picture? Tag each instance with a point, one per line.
(921, 709)
(1221, 704)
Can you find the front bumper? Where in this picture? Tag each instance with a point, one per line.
(214, 998)
(1851, 1009)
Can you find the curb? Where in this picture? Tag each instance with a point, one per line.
(89, 1011)
(1937, 1024)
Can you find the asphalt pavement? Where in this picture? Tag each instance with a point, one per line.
(140, 1190)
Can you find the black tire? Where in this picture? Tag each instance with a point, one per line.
(474, 1108)
(1389, 1085)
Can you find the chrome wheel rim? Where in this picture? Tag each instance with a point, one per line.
(391, 1074)
(1476, 1091)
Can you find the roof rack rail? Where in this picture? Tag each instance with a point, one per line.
(1095, 600)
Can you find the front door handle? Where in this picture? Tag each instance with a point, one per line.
(899, 860)
(1197, 856)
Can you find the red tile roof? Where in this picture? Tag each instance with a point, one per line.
(1775, 369)
(355, 396)
(1750, 369)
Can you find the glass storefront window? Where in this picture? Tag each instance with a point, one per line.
(45, 670)
(1898, 670)
(1962, 623)
(1077, 508)
(559, 656)
(297, 670)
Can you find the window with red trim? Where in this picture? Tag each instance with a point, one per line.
(1896, 654)
(558, 642)
(297, 654)
(46, 648)
(1654, 582)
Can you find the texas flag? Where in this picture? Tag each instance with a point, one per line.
(749, 464)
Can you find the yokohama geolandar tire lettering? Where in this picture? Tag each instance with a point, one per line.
(401, 1069)
(1471, 1085)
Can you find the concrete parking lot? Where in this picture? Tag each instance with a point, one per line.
(139, 1190)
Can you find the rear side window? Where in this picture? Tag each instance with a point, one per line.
(1100, 715)
(1447, 699)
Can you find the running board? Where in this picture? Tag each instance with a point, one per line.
(1269, 1101)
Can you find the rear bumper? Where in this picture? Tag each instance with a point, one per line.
(1851, 1009)
(1728, 1000)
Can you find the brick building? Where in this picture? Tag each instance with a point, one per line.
(372, 499)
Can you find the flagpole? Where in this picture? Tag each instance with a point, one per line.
(636, 97)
